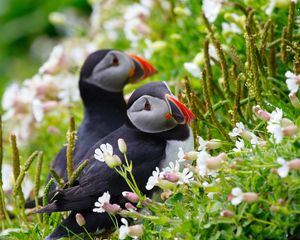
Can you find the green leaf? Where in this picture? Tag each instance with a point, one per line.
(174, 199)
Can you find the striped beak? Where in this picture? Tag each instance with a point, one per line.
(180, 113)
(141, 69)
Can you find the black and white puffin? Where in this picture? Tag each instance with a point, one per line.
(102, 79)
(154, 117)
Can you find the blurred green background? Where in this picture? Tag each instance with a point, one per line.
(27, 36)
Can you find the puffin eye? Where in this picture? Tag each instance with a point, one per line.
(115, 61)
(147, 106)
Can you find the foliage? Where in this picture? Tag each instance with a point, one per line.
(222, 66)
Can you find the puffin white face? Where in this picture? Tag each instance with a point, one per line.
(113, 71)
(151, 114)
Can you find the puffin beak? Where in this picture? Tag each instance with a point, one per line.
(141, 69)
(179, 111)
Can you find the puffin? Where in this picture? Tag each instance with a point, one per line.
(102, 79)
(154, 118)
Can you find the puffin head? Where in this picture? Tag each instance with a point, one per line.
(153, 108)
(111, 69)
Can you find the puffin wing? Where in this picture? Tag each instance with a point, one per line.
(144, 152)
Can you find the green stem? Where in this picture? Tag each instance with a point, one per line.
(45, 202)
(77, 172)
(37, 182)
(86, 231)
(70, 147)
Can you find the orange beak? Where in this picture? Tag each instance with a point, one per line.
(179, 111)
(147, 67)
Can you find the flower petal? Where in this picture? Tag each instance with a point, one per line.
(236, 191)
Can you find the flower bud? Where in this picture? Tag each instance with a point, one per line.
(294, 100)
(199, 59)
(111, 208)
(281, 201)
(285, 122)
(135, 231)
(246, 135)
(250, 197)
(158, 46)
(131, 196)
(274, 208)
(122, 145)
(192, 155)
(274, 170)
(170, 176)
(227, 213)
(80, 219)
(112, 161)
(214, 144)
(130, 207)
(146, 202)
(214, 163)
(50, 105)
(165, 184)
(182, 11)
(290, 130)
(53, 130)
(175, 36)
(223, 156)
(260, 113)
(294, 164)
(263, 115)
(165, 195)
(57, 18)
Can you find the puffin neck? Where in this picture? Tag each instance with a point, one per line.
(94, 97)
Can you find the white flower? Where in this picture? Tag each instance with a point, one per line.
(202, 158)
(180, 155)
(9, 96)
(153, 180)
(211, 9)
(193, 69)
(111, 27)
(283, 171)
(274, 126)
(202, 144)
(105, 154)
(237, 130)
(95, 16)
(237, 196)
(292, 81)
(230, 27)
(54, 61)
(212, 52)
(186, 176)
(134, 30)
(37, 110)
(105, 149)
(276, 116)
(124, 229)
(239, 145)
(135, 22)
(136, 10)
(68, 85)
(254, 139)
(276, 130)
(172, 167)
(270, 8)
(105, 198)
